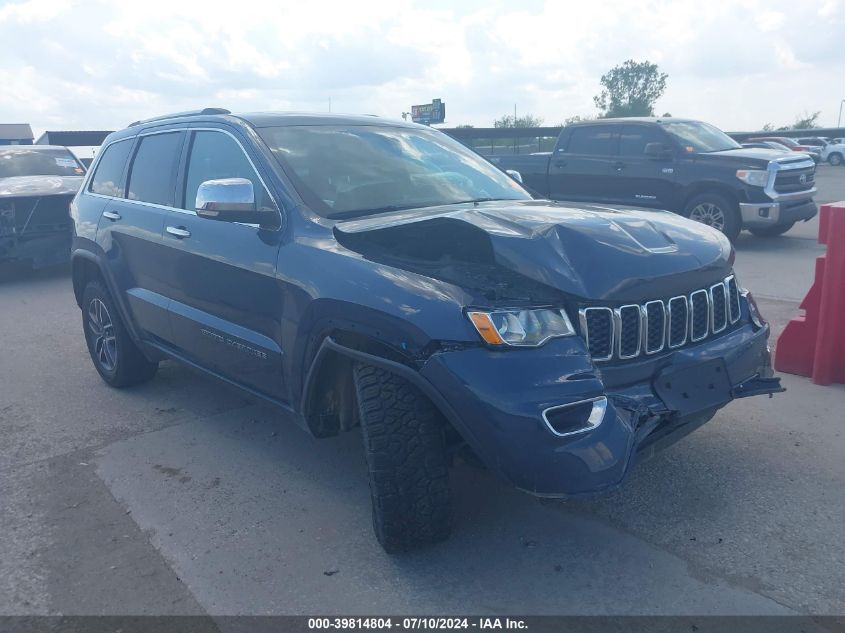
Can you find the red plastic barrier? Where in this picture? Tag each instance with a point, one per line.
(813, 344)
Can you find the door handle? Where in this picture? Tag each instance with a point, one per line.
(619, 165)
(560, 163)
(111, 215)
(178, 232)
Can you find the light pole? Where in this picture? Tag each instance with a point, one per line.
(839, 120)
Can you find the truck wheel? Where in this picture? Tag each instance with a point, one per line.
(835, 159)
(115, 355)
(407, 460)
(716, 210)
(772, 231)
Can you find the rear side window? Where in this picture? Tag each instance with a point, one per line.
(634, 138)
(215, 155)
(152, 177)
(594, 140)
(106, 180)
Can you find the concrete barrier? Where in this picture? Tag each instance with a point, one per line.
(813, 344)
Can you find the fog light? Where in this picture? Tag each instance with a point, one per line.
(576, 417)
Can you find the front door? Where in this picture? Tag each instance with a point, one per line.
(639, 179)
(226, 300)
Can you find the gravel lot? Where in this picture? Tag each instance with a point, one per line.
(184, 496)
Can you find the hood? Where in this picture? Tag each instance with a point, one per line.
(590, 251)
(752, 157)
(23, 186)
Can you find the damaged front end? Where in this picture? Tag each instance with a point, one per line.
(571, 413)
(35, 229)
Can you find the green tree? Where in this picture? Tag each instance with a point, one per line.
(630, 89)
(577, 118)
(768, 128)
(806, 122)
(526, 120)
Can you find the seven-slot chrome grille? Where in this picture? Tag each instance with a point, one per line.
(632, 330)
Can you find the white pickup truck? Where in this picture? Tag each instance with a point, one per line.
(833, 151)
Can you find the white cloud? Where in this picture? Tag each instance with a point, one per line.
(100, 64)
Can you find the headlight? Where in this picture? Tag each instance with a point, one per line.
(528, 328)
(753, 177)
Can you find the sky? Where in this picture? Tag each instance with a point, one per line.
(101, 65)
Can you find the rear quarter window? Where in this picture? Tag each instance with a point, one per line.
(106, 180)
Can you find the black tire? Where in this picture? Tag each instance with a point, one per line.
(772, 231)
(408, 464)
(835, 159)
(115, 356)
(716, 210)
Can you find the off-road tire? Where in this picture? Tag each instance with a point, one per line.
(408, 463)
(129, 366)
(732, 221)
(835, 159)
(772, 231)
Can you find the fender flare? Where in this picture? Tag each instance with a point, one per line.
(413, 377)
(81, 253)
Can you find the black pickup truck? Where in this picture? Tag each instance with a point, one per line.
(685, 166)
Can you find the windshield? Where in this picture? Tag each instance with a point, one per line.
(29, 161)
(697, 137)
(349, 171)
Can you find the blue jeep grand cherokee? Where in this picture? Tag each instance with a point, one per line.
(362, 272)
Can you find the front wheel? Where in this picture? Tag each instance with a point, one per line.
(835, 159)
(772, 231)
(405, 446)
(716, 210)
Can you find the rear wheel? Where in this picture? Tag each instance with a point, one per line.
(835, 159)
(405, 446)
(114, 354)
(772, 231)
(716, 210)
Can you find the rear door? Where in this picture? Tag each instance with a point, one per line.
(580, 168)
(130, 228)
(226, 301)
(640, 179)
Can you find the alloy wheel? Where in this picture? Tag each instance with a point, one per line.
(709, 214)
(102, 329)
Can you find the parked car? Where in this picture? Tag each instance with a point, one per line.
(356, 271)
(795, 146)
(685, 166)
(831, 151)
(766, 145)
(37, 183)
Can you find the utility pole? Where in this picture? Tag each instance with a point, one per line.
(839, 120)
(330, 104)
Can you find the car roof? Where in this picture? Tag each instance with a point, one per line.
(19, 148)
(260, 120)
(634, 119)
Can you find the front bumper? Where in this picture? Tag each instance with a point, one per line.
(500, 399)
(761, 214)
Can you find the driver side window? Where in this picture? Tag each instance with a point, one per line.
(215, 155)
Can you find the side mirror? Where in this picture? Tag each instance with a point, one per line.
(657, 151)
(514, 174)
(231, 200)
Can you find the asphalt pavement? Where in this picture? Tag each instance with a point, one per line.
(183, 496)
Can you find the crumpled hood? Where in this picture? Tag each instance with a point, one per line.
(590, 251)
(21, 186)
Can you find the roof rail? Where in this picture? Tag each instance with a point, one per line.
(177, 115)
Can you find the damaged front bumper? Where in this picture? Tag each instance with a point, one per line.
(521, 410)
(35, 230)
